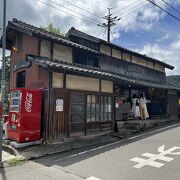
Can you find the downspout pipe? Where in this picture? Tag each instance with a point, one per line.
(49, 107)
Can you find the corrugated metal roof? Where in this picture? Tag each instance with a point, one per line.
(56, 65)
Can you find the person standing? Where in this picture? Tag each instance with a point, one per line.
(143, 107)
(135, 107)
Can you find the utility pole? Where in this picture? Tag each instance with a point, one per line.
(3, 77)
(111, 21)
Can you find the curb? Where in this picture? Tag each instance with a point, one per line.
(13, 151)
(65, 150)
(10, 150)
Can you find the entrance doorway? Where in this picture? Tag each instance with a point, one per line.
(90, 113)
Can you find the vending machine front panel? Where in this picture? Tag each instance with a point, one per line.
(25, 115)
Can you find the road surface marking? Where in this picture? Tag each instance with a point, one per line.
(92, 178)
(114, 143)
(153, 157)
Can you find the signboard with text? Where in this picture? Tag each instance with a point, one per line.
(59, 105)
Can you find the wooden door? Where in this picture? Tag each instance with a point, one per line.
(77, 114)
(59, 110)
(172, 105)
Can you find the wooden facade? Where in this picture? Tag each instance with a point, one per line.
(88, 98)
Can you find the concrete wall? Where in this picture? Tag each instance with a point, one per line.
(116, 54)
(126, 57)
(106, 86)
(150, 65)
(159, 67)
(105, 49)
(82, 83)
(139, 61)
(63, 53)
(57, 80)
(45, 49)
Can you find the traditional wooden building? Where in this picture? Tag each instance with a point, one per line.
(87, 82)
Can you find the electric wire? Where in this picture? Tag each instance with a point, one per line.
(133, 10)
(164, 10)
(127, 6)
(112, 34)
(104, 31)
(171, 6)
(65, 12)
(82, 9)
(72, 10)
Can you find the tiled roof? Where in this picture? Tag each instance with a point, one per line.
(32, 30)
(78, 33)
(56, 65)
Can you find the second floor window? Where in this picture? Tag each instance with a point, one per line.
(86, 59)
(20, 80)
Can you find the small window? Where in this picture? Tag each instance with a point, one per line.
(20, 80)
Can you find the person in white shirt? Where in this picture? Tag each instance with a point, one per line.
(143, 107)
(135, 107)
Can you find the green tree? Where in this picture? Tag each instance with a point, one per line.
(53, 29)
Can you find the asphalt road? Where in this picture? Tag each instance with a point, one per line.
(114, 162)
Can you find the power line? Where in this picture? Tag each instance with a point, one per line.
(164, 10)
(127, 6)
(112, 34)
(82, 9)
(104, 32)
(170, 6)
(72, 10)
(131, 12)
(66, 12)
(111, 21)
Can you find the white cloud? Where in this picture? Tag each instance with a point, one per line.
(38, 14)
(146, 18)
(163, 38)
(170, 54)
(176, 45)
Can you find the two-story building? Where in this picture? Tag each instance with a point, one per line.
(94, 79)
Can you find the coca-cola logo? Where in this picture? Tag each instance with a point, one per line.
(28, 102)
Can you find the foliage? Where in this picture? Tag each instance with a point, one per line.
(53, 29)
(16, 161)
(174, 80)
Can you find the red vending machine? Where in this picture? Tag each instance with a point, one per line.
(25, 115)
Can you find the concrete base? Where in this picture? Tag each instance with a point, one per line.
(21, 145)
(6, 141)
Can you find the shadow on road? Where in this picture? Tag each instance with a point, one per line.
(77, 155)
(2, 174)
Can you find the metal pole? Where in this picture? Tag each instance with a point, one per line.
(109, 24)
(3, 75)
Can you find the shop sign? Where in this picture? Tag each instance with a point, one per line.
(59, 105)
(28, 102)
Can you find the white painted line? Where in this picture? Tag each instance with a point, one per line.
(114, 143)
(152, 158)
(92, 178)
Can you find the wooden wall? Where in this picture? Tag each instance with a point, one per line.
(172, 106)
(35, 76)
(59, 120)
(131, 70)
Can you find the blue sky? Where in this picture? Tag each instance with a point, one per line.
(148, 30)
